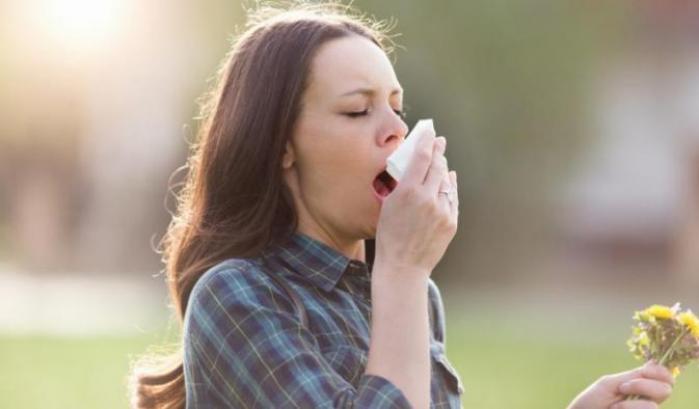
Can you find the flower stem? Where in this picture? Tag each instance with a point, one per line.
(665, 356)
(669, 350)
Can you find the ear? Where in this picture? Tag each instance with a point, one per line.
(289, 156)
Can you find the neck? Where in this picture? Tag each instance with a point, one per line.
(351, 248)
(314, 228)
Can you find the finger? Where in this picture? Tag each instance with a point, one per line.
(420, 160)
(649, 370)
(635, 404)
(654, 390)
(446, 195)
(652, 370)
(446, 183)
(455, 196)
(438, 168)
(445, 186)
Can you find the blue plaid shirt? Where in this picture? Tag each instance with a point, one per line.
(245, 345)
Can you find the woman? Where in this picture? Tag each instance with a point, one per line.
(284, 298)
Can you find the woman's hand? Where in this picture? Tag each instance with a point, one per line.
(652, 381)
(417, 223)
(414, 229)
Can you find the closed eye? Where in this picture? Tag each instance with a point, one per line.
(357, 114)
(366, 111)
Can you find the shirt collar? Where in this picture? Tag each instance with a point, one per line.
(317, 262)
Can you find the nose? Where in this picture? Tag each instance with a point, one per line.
(393, 129)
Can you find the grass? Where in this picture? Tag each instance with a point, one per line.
(513, 366)
(520, 366)
(51, 372)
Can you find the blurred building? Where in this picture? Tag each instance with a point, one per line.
(97, 103)
(636, 195)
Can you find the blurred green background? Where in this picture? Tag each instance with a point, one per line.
(503, 363)
(574, 128)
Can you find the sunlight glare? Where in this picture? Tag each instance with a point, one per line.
(80, 23)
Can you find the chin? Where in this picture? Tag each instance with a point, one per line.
(370, 230)
(367, 218)
(367, 228)
(371, 234)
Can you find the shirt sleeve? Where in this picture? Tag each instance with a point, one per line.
(245, 347)
(438, 320)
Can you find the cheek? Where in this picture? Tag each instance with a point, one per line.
(335, 160)
(337, 183)
(341, 169)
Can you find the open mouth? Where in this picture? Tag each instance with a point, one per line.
(384, 184)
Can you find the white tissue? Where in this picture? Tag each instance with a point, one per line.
(398, 161)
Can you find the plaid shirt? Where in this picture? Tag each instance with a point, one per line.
(245, 345)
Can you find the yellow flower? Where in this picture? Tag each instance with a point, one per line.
(660, 312)
(676, 372)
(643, 339)
(642, 316)
(690, 321)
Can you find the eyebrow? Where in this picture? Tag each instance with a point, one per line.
(370, 91)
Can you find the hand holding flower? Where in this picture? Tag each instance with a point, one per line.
(665, 335)
(608, 392)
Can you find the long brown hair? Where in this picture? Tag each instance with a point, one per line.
(234, 202)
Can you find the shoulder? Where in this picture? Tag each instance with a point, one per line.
(235, 286)
(231, 276)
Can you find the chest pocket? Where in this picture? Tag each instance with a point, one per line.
(350, 362)
(444, 369)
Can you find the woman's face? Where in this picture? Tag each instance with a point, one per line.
(349, 124)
